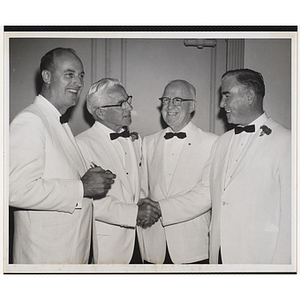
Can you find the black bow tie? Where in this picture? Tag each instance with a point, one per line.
(180, 135)
(63, 119)
(116, 135)
(249, 128)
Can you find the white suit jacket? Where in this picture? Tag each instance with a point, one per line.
(45, 187)
(185, 218)
(116, 213)
(251, 213)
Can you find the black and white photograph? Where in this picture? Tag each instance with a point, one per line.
(150, 150)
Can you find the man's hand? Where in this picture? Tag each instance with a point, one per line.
(148, 212)
(97, 182)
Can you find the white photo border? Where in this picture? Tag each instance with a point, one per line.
(232, 33)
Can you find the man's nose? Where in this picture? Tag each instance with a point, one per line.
(170, 104)
(78, 81)
(129, 106)
(223, 102)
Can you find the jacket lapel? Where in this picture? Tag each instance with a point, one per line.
(63, 135)
(160, 163)
(137, 164)
(155, 156)
(224, 159)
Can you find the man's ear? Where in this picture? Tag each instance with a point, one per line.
(100, 113)
(250, 94)
(192, 106)
(46, 75)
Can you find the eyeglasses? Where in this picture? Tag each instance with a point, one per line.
(175, 101)
(123, 104)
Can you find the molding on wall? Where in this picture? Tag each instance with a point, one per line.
(107, 57)
(235, 54)
(213, 67)
(93, 60)
(123, 61)
(209, 43)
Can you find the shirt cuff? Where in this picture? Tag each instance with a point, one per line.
(80, 193)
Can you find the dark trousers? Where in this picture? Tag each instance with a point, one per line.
(168, 260)
(136, 256)
(220, 257)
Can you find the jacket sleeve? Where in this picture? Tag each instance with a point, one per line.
(109, 209)
(282, 254)
(112, 211)
(28, 188)
(144, 173)
(181, 208)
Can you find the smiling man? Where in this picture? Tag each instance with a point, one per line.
(108, 143)
(250, 179)
(49, 186)
(173, 160)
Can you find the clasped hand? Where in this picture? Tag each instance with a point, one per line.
(148, 212)
(97, 182)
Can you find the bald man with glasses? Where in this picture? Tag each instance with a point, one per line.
(109, 144)
(173, 160)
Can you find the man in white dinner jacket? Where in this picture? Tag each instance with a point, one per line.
(249, 174)
(109, 143)
(173, 160)
(48, 185)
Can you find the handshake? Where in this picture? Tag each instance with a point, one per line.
(148, 212)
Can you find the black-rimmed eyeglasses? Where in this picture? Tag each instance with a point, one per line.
(123, 104)
(175, 101)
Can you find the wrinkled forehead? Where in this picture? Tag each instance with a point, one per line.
(178, 89)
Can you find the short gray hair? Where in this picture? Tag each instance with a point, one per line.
(98, 93)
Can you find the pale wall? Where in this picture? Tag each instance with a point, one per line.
(146, 66)
(272, 58)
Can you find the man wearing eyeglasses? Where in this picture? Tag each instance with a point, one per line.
(173, 159)
(109, 144)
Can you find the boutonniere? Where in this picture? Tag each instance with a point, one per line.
(265, 130)
(134, 136)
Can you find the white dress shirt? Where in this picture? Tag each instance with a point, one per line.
(173, 149)
(125, 150)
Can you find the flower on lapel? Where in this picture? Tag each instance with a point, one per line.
(134, 136)
(265, 130)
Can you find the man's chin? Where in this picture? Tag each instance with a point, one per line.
(230, 121)
(73, 101)
(127, 123)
